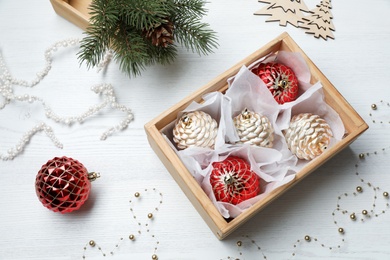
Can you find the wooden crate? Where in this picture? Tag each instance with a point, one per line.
(354, 126)
(76, 11)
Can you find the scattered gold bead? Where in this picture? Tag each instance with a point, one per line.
(374, 107)
(359, 189)
(92, 243)
(239, 243)
(150, 215)
(341, 230)
(364, 212)
(154, 257)
(386, 194)
(136, 194)
(307, 238)
(353, 216)
(361, 155)
(131, 237)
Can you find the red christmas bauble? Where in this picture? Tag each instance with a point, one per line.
(280, 80)
(62, 184)
(233, 181)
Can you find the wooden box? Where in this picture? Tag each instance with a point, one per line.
(354, 126)
(77, 12)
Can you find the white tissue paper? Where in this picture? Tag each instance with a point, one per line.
(275, 166)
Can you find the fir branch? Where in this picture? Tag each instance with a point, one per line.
(142, 33)
(143, 14)
(103, 21)
(190, 8)
(195, 35)
(131, 51)
(163, 55)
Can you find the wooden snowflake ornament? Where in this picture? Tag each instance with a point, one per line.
(284, 11)
(319, 23)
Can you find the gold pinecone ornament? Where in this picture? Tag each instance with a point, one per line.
(161, 34)
(308, 136)
(195, 128)
(253, 128)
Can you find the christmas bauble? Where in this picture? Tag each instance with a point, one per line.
(195, 128)
(233, 181)
(253, 128)
(308, 136)
(280, 80)
(63, 184)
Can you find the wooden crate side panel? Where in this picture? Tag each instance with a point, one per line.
(186, 182)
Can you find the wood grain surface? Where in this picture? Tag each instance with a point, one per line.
(356, 62)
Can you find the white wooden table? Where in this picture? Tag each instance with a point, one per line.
(356, 62)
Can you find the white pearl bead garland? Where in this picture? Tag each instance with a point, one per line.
(7, 83)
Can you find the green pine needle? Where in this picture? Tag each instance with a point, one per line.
(122, 25)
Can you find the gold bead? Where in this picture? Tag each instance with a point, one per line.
(92, 243)
(353, 216)
(150, 215)
(239, 243)
(374, 107)
(341, 230)
(136, 194)
(131, 237)
(154, 257)
(364, 212)
(307, 238)
(359, 189)
(361, 155)
(386, 194)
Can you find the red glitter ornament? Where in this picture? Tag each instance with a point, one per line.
(280, 80)
(233, 181)
(63, 184)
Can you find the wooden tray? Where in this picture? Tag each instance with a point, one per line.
(354, 126)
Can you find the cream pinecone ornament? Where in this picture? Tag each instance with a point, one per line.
(253, 128)
(195, 128)
(308, 136)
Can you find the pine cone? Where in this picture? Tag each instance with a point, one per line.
(233, 181)
(280, 80)
(195, 128)
(308, 136)
(161, 34)
(253, 128)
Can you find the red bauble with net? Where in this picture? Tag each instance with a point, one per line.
(233, 181)
(63, 184)
(280, 80)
